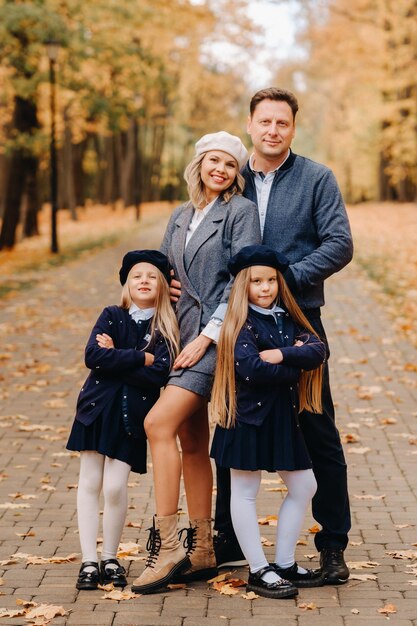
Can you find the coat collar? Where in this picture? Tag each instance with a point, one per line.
(204, 231)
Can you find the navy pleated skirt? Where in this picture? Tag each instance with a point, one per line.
(275, 445)
(107, 435)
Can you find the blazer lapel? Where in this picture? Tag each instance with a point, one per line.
(178, 245)
(206, 229)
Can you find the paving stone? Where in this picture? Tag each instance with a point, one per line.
(33, 461)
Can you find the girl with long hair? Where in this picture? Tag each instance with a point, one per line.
(269, 368)
(129, 354)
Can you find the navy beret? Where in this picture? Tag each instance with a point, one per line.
(257, 255)
(154, 257)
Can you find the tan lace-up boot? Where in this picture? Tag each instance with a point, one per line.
(167, 556)
(200, 549)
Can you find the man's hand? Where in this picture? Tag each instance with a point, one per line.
(192, 353)
(272, 356)
(174, 289)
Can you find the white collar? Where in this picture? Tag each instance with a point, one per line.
(259, 309)
(256, 171)
(138, 314)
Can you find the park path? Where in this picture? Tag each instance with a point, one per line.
(374, 380)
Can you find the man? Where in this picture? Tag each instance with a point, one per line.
(302, 215)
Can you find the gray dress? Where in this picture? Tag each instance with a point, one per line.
(201, 268)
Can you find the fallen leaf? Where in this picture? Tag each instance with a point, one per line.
(388, 421)
(307, 607)
(314, 529)
(362, 450)
(362, 564)
(266, 542)
(26, 603)
(134, 525)
(355, 543)
(14, 505)
(28, 534)
(251, 595)
(32, 427)
(8, 562)
(355, 611)
(387, 609)
(45, 611)
(220, 578)
(12, 612)
(400, 526)
(302, 542)
(350, 438)
(22, 496)
(118, 594)
(41, 560)
(269, 520)
(128, 549)
(369, 497)
(363, 577)
(277, 489)
(177, 586)
(225, 589)
(403, 554)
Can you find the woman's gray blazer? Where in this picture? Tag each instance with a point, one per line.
(202, 268)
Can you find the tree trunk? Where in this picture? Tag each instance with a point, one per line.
(22, 163)
(30, 227)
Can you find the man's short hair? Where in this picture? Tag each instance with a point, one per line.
(274, 93)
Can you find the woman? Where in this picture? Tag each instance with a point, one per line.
(201, 237)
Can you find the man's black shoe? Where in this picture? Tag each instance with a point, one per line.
(310, 578)
(279, 589)
(228, 552)
(333, 566)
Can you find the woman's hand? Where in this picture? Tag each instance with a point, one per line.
(149, 358)
(105, 341)
(192, 353)
(272, 356)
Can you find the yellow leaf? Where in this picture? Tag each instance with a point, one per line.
(314, 529)
(269, 520)
(118, 594)
(220, 578)
(251, 595)
(387, 609)
(362, 564)
(307, 607)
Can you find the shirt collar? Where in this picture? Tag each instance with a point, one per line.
(255, 171)
(272, 311)
(138, 314)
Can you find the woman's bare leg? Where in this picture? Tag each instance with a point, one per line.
(194, 436)
(162, 424)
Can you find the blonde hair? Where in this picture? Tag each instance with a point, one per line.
(164, 319)
(223, 397)
(195, 185)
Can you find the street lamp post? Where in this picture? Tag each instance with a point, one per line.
(52, 48)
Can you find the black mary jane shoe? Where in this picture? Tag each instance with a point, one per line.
(115, 575)
(280, 589)
(311, 578)
(88, 581)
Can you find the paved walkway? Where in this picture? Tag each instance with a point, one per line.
(374, 382)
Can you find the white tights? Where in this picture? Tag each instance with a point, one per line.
(98, 472)
(301, 486)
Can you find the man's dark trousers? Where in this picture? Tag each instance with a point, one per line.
(331, 501)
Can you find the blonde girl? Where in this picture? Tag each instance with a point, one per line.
(129, 354)
(268, 370)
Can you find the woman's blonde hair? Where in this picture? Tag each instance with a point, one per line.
(223, 397)
(195, 185)
(164, 319)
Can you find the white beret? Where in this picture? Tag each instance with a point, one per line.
(226, 143)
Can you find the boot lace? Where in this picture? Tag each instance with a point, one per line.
(153, 546)
(190, 540)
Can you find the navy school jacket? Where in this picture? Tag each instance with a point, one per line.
(122, 368)
(264, 387)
